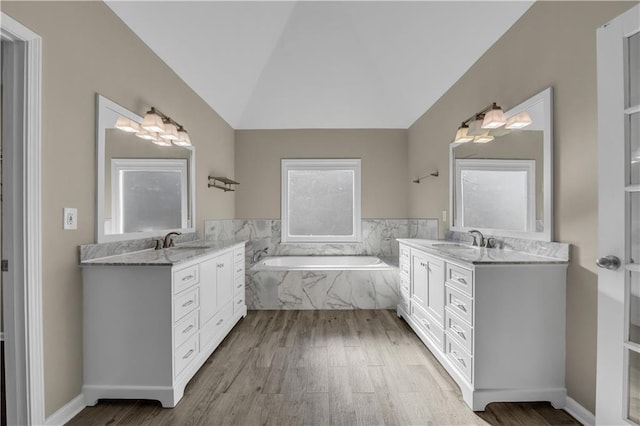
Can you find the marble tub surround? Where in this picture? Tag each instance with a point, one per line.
(96, 251)
(322, 289)
(183, 252)
(478, 255)
(378, 237)
(539, 248)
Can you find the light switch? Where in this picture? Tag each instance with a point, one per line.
(444, 215)
(70, 218)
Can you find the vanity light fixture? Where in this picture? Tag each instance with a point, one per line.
(156, 127)
(127, 125)
(462, 135)
(494, 118)
(489, 123)
(518, 121)
(153, 122)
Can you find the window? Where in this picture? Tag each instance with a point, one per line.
(321, 201)
(481, 185)
(149, 194)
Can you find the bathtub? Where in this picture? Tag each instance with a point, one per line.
(322, 282)
(321, 263)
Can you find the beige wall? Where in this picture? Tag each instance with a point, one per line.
(553, 44)
(88, 50)
(384, 167)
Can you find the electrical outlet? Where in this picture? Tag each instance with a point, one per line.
(70, 218)
(444, 215)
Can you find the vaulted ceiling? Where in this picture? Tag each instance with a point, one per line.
(319, 64)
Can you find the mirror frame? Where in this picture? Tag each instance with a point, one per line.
(104, 105)
(545, 97)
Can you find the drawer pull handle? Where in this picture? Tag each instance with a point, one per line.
(460, 279)
(220, 265)
(188, 329)
(239, 270)
(239, 302)
(188, 277)
(188, 354)
(458, 304)
(458, 331)
(239, 286)
(426, 324)
(458, 358)
(190, 302)
(220, 322)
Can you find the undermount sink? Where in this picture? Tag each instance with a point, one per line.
(455, 246)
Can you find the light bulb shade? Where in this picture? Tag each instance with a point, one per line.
(184, 139)
(153, 123)
(170, 132)
(145, 134)
(483, 138)
(475, 128)
(161, 142)
(494, 118)
(518, 121)
(462, 134)
(127, 125)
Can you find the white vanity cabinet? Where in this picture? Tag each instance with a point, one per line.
(498, 328)
(148, 328)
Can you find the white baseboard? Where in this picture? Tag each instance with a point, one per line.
(580, 413)
(66, 413)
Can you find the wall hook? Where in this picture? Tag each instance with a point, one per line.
(434, 174)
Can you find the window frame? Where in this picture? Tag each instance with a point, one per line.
(498, 165)
(354, 165)
(119, 165)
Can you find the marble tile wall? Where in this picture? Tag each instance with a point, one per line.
(378, 237)
(322, 289)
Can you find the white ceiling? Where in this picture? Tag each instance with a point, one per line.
(319, 64)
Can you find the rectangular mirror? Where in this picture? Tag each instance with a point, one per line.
(143, 189)
(504, 187)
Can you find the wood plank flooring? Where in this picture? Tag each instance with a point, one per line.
(360, 367)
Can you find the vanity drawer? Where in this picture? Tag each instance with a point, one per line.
(405, 254)
(238, 303)
(459, 330)
(238, 270)
(460, 278)
(405, 282)
(185, 329)
(404, 301)
(238, 285)
(185, 303)
(428, 325)
(238, 255)
(460, 359)
(459, 303)
(212, 329)
(405, 267)
(185, 278)
(185, 354)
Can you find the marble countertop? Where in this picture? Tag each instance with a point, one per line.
(475, 255)
(165, 257)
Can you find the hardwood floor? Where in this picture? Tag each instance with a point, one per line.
(319, 368)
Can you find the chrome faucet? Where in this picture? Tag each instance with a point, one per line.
(477, 242)
(258, 255)
(168, 241)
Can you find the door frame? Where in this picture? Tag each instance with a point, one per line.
(612, 217)
(23, 284)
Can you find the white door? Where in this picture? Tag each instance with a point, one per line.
(618, 364)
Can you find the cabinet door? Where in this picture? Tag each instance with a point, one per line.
(208, 293)
(435, 288)
(224, 278)
(419, 264)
